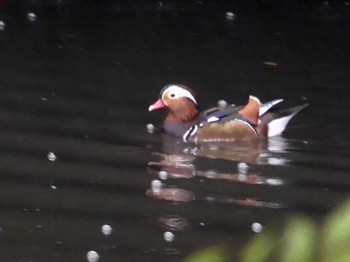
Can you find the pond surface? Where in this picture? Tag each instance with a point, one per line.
(76, 80)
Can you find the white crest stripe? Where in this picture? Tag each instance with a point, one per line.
(181, 92)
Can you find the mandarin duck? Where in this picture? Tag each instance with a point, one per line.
(225, 123)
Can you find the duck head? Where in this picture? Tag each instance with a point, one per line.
(182, 107)
(180, 102)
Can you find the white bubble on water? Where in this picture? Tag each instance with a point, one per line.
(106, 230)
(163, 175)
(168, 236)
(150, 128)
(51, 156)
(2, 25)
(92, 256)
(257, 227)
(242, 167)
(230, 15)
(53, 187)
(31, 16)
(222, 104)
(156, 184)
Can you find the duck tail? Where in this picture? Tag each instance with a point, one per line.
(274, 120)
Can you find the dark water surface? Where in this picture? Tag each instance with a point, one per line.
(77, 81)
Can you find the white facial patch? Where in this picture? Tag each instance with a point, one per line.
(175, 92)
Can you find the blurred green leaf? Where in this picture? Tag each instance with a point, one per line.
(336, 238)
(259, 250)
(302, 240)
(299, 241)
(211, 254)
(341, 257)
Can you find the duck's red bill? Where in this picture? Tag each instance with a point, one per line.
(157, 105)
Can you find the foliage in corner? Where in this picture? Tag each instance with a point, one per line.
(301, 240)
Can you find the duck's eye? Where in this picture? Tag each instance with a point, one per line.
(172, 95)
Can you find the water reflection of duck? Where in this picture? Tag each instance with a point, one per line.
(180, 160)
(223, 123)
(183, 154)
